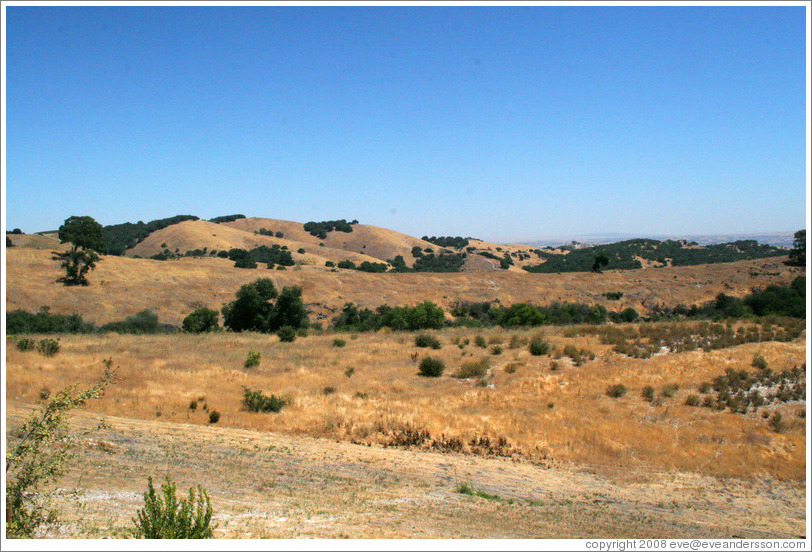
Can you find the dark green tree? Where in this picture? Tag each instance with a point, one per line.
(201, 320)
(9, 243)
(289, 309)
(601, 260)
(253, 308)
(86, 238)
(797, 255)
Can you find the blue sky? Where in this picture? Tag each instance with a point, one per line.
(503, 123)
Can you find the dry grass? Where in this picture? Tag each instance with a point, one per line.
(560, 417)
(121, 286)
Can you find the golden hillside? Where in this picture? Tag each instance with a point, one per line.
(199, 234)
(120, 286)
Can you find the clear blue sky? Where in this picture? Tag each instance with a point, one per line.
(503, 123)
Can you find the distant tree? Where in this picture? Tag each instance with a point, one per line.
(16, 231)
(9, 243)
(289, 309)
(601, 260)
(797, 256)
(86, 237)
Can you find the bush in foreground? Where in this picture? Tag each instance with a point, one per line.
(166, 517)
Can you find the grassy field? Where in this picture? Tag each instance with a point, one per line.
(543, 448)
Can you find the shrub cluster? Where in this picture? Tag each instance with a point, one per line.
(43, 322)
(423, 316)
(425, 340)
(649, 339)
(738, 390)
(255, 401)
(144, 322)
(226, 218)
(320, 229)
(448, 241)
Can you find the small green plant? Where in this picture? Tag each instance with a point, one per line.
(255, 401)
(692, 400)
(648, 393)
(616, 391)
(193, 405)
(214, 417)
(538, 347)
(48, 347)
(759, 361)
(166, 517)
(425, 340)
(26, 344)
(470, 490)
(479, 341)
(252, 359)
(328, 390)
(496, 350)
(776, 423)
(669, 390)
(338, 342)
(431, 367)
(472, 369)
(349, 371)
(286, 334)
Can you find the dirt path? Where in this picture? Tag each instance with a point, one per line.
(272, 486)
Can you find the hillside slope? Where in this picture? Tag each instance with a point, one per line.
(120, 286)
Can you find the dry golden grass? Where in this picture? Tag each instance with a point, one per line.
(560, 417)
(120, 286)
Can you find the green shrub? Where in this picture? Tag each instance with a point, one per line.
(26, 344)
(615, 391)
(759, 361)
(170, 518)
(338, 342)
(252, 359)
(776, 423)
(669, 390)
(255, 401)
(201, 320)
(431, 367)
(648, 393)
(48, 347)
(692, 400)
(496, 350)
(349, 371)
(538, 347)
(286, 334)
(479, 341)
(472, 369)
(214, 417)
(425, 340)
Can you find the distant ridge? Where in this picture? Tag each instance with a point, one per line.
(778, 239)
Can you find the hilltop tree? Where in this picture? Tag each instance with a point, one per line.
(86, 237)
(797, 256)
